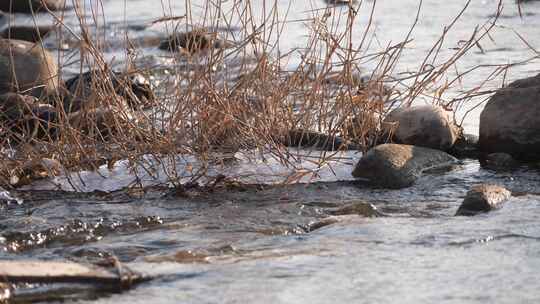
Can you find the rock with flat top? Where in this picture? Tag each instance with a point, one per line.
(499, 162)
(398, 166)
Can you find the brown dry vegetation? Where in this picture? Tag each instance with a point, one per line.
(200, 110)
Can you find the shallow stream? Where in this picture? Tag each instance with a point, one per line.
(236, 244)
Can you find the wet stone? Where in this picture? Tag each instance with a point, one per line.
(135, 88)
(499, 162)
(193, 42)
(483, 198)
(398, 166)
(510, 121)
(30, 6)
(466, 146)
(426, 126)
(26, 33)
(305, 138)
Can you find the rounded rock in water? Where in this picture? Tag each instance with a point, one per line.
(483, 198)
(426, 126)
(398, 166)
(27, 67)
(510, 122)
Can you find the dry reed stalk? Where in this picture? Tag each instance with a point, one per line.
(202, 108)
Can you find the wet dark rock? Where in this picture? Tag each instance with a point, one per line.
(398, 166)
(26, 33)
(510, 122)
(100, 123)
(24, 118)
(357, 208)
(426, 126)
(305, 138)
(466, 146)
(33, 170)
(135, 88)
(483, 198)
(499, 161)
(30, 6)
(26, 67)
(193, 42)
(364, 128)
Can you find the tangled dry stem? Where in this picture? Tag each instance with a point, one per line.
(200, 108)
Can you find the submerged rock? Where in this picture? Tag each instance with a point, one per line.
(426, 126)
(499, 161)
(26, 33)
(26, 67)
(193, 42)
(357, 208)
(510, 122)
(30, 6)
(483, 198)
(399, 166)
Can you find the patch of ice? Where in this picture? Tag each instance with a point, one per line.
(5, 196)
(252, 167)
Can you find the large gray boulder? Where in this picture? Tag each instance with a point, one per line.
(30, 6)
(426, 126)
(483, 198)
(510, 122)
(27, 68)
(399, 166)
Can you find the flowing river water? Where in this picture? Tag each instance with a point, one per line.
(254, 244)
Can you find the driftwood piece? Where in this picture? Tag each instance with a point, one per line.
(66, 272)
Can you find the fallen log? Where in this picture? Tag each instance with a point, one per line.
(50, 272)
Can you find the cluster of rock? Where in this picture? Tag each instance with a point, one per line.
(421, 136)
(425, 137)
(33, 97)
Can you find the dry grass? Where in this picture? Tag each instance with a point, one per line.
(202, 108)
